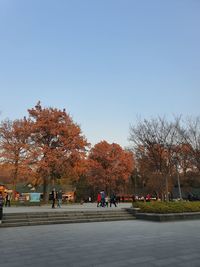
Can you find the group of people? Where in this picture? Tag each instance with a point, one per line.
(56, 196)
(104, 200)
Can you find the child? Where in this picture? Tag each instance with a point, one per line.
(107, 201)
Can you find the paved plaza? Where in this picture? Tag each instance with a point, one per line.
(106, 244)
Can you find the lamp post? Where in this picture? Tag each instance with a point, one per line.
(178, 180)
(179, 186)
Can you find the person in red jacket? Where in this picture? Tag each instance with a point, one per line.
(148, 198)
(98, 199)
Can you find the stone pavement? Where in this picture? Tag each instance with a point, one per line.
(105, 244)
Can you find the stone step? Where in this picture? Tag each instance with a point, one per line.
(79, 220)
(65, 218)
(23, 219)
(52, 213)
(72, 215)
(64, 214)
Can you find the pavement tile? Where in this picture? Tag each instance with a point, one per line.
(117, 244)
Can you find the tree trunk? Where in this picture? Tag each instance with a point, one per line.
(45, 190)
(15, 179)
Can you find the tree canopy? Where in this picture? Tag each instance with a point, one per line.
(109, 166)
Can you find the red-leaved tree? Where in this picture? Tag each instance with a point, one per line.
(109, 167)
(59, 144)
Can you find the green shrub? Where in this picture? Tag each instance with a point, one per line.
(167, 207)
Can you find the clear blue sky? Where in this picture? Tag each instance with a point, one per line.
(105, 61)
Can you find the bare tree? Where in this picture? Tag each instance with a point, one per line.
(155, 140)
(189, 156)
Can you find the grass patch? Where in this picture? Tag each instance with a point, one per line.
(167, 207)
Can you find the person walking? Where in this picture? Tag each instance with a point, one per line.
(8, 199)
(59, 196)
(1, 207)
(103, 195)
(113, 200)
(53, 198)
(148, 198)
(98, 199)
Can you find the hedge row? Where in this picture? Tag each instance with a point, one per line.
(167, 207)
(25, 203)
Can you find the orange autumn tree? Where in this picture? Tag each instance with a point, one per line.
(14, 146)
(5, 173)
(109, 167)
(58, 142)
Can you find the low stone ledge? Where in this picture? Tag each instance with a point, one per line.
(133, 211)
(168, 217)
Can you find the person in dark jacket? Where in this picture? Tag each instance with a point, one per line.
(113, 200)
(8, 199)
(59, 197)
(53, 198)
(103, 196)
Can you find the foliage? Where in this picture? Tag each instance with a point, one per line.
(84, 190)
(167, 153)
(109, 166)
(46, 146)
(25, 203)
(167, 207)
(154, 141)
(59, 144)
(14, 146)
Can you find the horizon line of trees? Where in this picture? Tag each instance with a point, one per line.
(48, 147)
